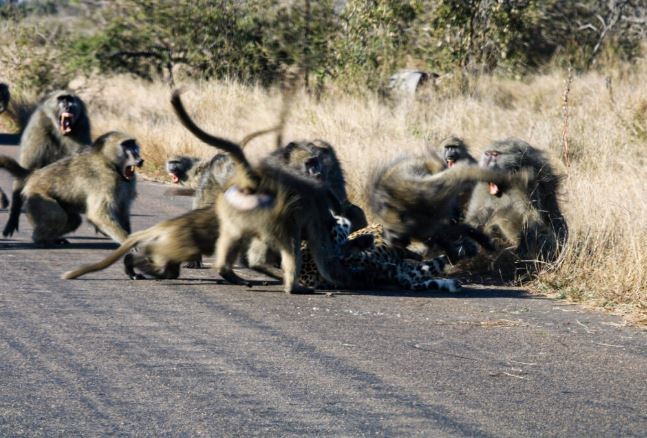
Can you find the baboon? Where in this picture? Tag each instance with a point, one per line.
(186, 170)
(205, 177)
(454, 151)
(4, 103)
(99, 182)
(414, 198)
(58, 128)
(275, 204)
(163, 247)
(5, 96)
(318, 160)
(527, 214)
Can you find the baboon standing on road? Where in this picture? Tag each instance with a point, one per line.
(162, 247)
(4, 104)
(99, 182)
(58, 128)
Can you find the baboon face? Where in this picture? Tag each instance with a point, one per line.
(130, 158)
(4, 97)
(304, 157)
(178, 168)
(67, 111)
(506, 156)
(454, 151)
(121, 150)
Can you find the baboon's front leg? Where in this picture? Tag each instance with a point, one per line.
(291, 265)
(227, 248)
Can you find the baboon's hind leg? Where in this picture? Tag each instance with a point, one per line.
(51, 222)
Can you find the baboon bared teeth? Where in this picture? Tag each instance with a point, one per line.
(494, 189)
(65, 122)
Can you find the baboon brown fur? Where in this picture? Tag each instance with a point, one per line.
(527, 215)
(163, 247)
(318, 160)
(99, 182)
(275, 204)
(5, 96)
(414, 197)
(4, 104)
(205, 177)
(59, 127)
(455, 152)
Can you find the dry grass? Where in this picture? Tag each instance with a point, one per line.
(605, 198)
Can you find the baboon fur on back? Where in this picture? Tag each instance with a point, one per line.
(163, 247)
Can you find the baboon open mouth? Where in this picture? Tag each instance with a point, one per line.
(65, 122)
(129, 172)
(494, 189)
(450, 163)
(174, 178)
(245, 199)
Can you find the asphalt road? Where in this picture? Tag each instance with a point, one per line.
(105, 355)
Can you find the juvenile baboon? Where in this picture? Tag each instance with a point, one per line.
(163, 247)
(58, 128)
(99, 182)
(415, 197)
(275, 204)
(527, 214)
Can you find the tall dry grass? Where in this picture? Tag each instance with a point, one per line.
(605, 198)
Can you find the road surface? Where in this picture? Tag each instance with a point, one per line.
(105, 355)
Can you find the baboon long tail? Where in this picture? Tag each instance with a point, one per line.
(13, 167)
(228, 146)
(129, 243)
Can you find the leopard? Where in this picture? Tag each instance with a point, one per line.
(373, 263)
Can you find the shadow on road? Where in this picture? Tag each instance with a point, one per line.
(105, 244)
(9, 139)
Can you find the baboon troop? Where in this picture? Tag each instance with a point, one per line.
(99, 183)
(277, 205)
(451, 206)
(58, 128)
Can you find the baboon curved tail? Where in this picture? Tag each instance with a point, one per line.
(228, 146)
(129, 243)
(18, 172)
